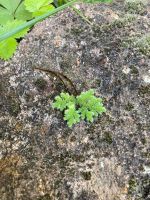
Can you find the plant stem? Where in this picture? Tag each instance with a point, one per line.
(34, 21)
(81, 15)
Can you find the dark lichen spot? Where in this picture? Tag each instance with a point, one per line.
(143, 140)
(13, 106)
(86, 175)
(129, 106)
(76, 30)
(143, 90)
(73, 139)
(134, 70)
(40, 83)
(45, 197)
(146, 188)
(108, 137)
(78, 158)
(87, 195)
(1, 87)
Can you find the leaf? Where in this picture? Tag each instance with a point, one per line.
(90, 106)
(13, 9)
(33, 6)
(34, 21)
(10, 5)
(43, 10)
(11, 25)
(63, 101)
(5, 16)
(22, 14)
(7, 48)
(72, 115)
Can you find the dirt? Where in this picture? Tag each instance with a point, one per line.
(109, 159)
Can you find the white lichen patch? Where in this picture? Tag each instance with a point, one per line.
(103, 180)
(126, 70)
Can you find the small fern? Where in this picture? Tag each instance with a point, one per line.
(72, 115)
(63, 101)
(86, 106)
(90, 106)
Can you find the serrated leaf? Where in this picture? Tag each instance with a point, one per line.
(13, 9)
(63, 101)
(7, 48)
(43, 10)
(72, 115)
(33, 6)
(90, 106)
(22, 14)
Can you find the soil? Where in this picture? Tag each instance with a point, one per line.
(109, 159)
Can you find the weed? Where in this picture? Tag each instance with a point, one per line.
(84, 106)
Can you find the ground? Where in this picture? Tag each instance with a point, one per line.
(109, 159)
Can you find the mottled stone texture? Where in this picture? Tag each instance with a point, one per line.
(43, 159)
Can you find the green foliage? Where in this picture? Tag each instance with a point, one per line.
(90, 106)
(8, 46)
(63, 101)
(40, 7)
(13, 9)
(20, 12)
(72, 115)
(15, 13)
(143, 44)
(85, 106)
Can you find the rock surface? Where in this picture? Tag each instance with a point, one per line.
(43, 159)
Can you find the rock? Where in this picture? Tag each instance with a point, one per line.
(41, 158)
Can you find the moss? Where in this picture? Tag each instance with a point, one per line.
(132, 185)
(129, 106)
(40, 83)
(108, 137)
(143, 44)
(13, 106)
(86, 175)
(123, 21)
(135, 6)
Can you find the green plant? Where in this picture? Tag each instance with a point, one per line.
(23, 14)
(85, 106)
(15, 13)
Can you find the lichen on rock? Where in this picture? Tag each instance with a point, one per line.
(41, 158)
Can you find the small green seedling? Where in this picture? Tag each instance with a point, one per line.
(86, 106)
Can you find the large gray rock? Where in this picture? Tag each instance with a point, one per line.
(41, 158)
